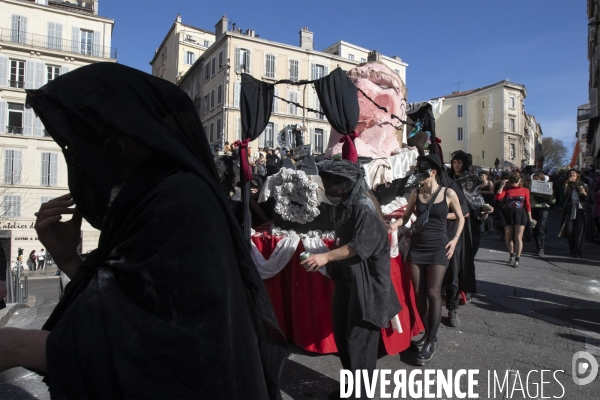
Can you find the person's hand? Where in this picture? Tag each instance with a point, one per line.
(390, 226)
(503, 183)
(450, 248)
(59, 238)
(315, 261)
(3, 290)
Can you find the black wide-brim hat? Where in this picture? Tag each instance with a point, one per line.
(466, 158)
(433, 160)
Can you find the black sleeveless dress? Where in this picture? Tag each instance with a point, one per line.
(428, 246)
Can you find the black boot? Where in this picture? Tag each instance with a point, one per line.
(417, 345)
(426, 352)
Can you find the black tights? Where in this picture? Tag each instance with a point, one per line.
(427, 282)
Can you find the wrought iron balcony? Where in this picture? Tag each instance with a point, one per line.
(57, 44)
(583, 116)
(14, 130)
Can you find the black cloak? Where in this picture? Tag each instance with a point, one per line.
(170, 305)
(357, 224)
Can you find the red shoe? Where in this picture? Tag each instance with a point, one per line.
(462, 298)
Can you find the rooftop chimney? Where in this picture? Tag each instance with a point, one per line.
(221, 27)
(374, 56)
(178, 19)
(306, 39)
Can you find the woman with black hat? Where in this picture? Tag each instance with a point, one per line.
(430, 249)
(573, 221)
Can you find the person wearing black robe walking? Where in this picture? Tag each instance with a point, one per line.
(170, 305)
(460, 275)
(364, 299)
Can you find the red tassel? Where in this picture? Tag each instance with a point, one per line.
(348, 148)
(243, 148)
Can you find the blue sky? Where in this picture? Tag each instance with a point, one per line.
(539, 43)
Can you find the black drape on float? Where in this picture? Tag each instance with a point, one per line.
(339, 100)
(256, 104)
(423, 112)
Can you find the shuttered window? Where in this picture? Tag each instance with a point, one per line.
(294, 67)
(54, 36)
(270, 65)
(12, 167)
(293, 97)
(318, 141)
(11, 206)
(49, 169)
(19, 29)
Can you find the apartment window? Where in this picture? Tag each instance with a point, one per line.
(54, 36)
(12, 167)
(318, 71)
(206, 43)
(221, 63)
(511, 102)
(459, 111)
(45, 199)
(270, 66)
(351, 57)
(294, 70)
(17, 74)
(242, 60)
(459, 134)
(512, 151)
(237, 89)
(212, 132)
(483, 130)
(293, 96)
(213, 66)
(11, 206)
(512, 124)
(207, 71)
(15, 118)
(220, 94)
(86, 41)
(275, 101)
(319, 108)
(19, 29)
(189, 57)
(53, 72)
(212, 99)
(219, 129)
(397, 71)
(318, 141)
(482, 104)
(363, 60)
(49, 169)
(269, 135)
(205, 106)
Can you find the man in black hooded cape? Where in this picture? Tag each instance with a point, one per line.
(170, 305)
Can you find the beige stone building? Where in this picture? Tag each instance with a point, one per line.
(489, 123)
(593, 134)
(585, 158)
(40, 40)
(214, 79)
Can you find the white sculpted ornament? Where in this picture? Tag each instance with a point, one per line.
(296, 196)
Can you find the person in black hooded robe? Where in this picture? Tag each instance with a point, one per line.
(142, 317)
(460, 275)
(364, 299)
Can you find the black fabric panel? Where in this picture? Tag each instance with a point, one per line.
(256, 104)
(423, 112)
(339, 100)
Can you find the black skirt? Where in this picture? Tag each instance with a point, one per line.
(515, 216)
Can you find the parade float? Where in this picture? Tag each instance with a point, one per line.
(372, 125)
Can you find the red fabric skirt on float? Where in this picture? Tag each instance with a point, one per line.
(302, 302)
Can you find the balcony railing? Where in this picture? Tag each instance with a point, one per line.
(14, 130)
(582, 117)
(53, 43)
(17, 84)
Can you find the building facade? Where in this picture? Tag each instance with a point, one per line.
(489, 123)
(584, 159)
(39, 41)
(214, 80)
(593, 134)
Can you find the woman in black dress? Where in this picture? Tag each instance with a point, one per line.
(573, 221)
(430, 249)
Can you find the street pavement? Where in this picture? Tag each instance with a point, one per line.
(520, 322)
